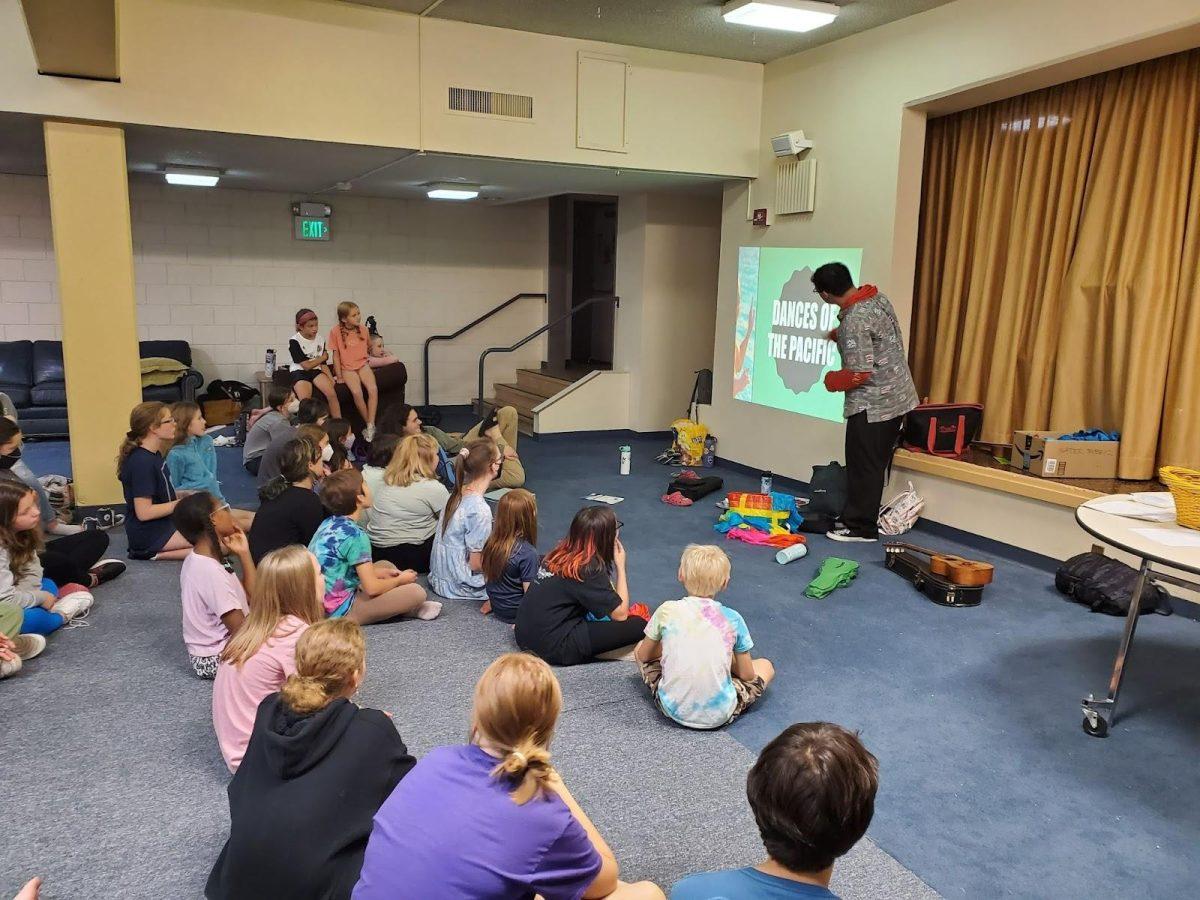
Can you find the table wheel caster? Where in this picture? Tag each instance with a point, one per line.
(1094, 724)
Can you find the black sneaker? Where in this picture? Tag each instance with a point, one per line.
(107, 570)
(846, 536)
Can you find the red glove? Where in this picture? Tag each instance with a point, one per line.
(844, 380)
(640, 610)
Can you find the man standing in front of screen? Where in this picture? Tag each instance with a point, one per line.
(879, 392)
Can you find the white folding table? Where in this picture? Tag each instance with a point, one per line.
(1122, 533)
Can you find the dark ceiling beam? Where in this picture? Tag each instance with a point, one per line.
(74, 38)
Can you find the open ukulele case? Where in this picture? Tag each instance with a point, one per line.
(938, 588)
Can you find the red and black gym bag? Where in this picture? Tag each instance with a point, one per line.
(942, 429)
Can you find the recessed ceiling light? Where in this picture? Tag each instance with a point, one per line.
(193, 176)
(785, 15)
(452, 190)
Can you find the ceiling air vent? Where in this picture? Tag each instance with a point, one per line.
(490, 103)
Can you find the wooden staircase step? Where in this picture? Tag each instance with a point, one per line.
(513, 395)
(539, 383)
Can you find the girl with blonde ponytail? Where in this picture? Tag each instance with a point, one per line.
(315, 773)
(493, 819)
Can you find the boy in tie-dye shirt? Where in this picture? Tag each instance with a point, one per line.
(695, 657)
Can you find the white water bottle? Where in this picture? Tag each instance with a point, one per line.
(269, 365)
(626, 458)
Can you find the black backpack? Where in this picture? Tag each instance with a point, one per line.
(219, 389)
(1106, 585)
(827, 487)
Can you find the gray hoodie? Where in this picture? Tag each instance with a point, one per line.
(20, 587)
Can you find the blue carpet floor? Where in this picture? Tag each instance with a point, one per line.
(988, 787)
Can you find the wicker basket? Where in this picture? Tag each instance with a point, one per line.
(1185, 488)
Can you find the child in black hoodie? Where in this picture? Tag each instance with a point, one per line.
(316, 771)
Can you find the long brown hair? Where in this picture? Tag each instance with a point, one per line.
(184, 412)
(517, 702)
(328, 656)
(415, 460)
(343, 310)
(142, 418)
(516, 519)
(22, 546)
(472, 462)
(588, 547)
(284, 585)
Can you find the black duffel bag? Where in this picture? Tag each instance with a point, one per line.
(942, 429)
(1106, 585)
(697, 488)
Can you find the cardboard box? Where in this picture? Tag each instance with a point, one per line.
(1041, 453)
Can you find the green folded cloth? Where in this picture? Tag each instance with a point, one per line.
(158, 371)
(833, 574)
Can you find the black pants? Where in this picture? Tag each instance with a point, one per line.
(869, 449)
(605, 636)
(253, 465)
(406, 556)
(68, 560)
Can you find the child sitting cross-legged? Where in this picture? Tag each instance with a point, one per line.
(214, 598)
(695, 657)
(510, 557)
(355, 587)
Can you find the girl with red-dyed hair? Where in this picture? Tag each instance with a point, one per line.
(579, 606)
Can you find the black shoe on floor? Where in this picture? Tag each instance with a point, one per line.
(107, 570)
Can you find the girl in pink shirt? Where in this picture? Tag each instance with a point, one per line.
(214, 599)
(351, 344)
(287, 595)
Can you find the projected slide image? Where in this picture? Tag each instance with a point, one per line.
(780, 349)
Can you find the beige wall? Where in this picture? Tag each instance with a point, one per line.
(667, 250)
(685, 113)
(597, 402)
(220, 269)
(851, 98)
(337, 71)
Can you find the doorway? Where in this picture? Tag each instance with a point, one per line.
(583, 265)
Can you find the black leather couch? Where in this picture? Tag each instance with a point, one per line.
(31, 373)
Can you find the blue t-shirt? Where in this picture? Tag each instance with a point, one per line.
(746, 884)
(450, 572)
(144, 474)
(508, 591)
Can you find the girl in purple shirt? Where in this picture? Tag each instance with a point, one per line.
(492, 820)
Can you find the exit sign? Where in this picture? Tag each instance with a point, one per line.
(310, 221)
(312, 229)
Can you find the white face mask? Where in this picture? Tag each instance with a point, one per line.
(348, 442)
(327, 453)
(293, 407)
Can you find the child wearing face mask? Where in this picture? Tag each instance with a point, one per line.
(341, 439)
(14, 468)
(192, 460)
(274, 423)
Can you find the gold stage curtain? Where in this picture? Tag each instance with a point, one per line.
(1058, 270)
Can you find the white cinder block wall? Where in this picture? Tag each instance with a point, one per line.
(219, 269)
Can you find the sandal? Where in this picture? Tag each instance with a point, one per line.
(687, 475)
(676, 499)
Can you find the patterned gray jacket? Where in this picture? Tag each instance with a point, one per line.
(869, 340)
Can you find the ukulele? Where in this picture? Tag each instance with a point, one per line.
(956, 569)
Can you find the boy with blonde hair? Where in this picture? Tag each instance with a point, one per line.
(695, 657)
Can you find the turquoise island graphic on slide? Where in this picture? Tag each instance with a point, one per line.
(781, 352)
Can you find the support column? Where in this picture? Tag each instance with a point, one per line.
(93, 246)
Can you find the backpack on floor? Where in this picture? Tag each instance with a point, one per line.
(827, 488)
(1106, 585)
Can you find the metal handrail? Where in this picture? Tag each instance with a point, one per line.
(599, 298)
(464, 330)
